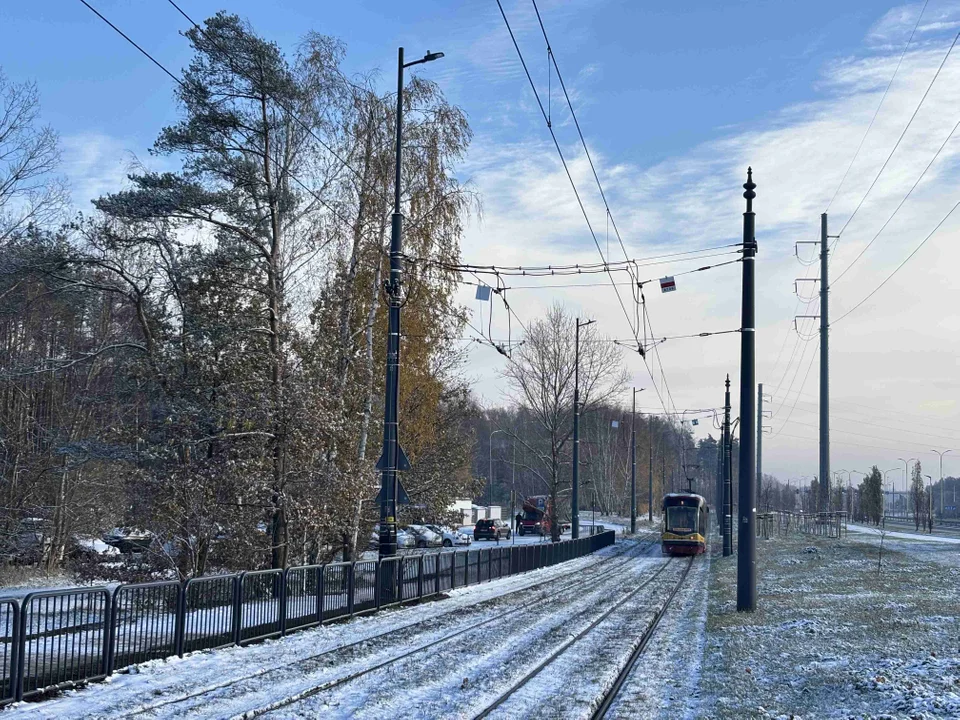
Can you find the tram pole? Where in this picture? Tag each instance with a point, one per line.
(747, 526)
(633, 465)
(727, 483)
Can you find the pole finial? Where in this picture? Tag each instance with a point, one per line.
(749, 186)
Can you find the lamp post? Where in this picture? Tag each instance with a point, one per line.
(941, 454)
(893, 490)
(575, 494)
(393, 457)
(906, 475)
(633, 465)
(490, 467)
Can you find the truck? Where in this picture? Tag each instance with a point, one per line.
(537, 517)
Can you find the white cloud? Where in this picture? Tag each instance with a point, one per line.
(885, 355)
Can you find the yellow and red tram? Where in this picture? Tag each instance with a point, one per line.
(685, 517)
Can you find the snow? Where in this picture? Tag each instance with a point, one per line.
(904, 535)
(833, 637)
(241, 678)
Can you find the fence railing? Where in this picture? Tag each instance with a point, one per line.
(59, 638)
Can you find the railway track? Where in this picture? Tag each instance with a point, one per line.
(610, 696)
(568, 644)
(607, 567)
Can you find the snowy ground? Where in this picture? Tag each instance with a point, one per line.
(450, 658)
(832, 637)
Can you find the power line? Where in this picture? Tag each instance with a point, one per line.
(897, 269)
(880, 105)
(859, 421)
(875, 409)
(897, 209)
(902, 134)
(563, 161)
(576, 122)
(182, 84)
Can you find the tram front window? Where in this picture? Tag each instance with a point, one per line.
(682, 519)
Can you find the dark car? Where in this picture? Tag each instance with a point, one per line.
(491, 530)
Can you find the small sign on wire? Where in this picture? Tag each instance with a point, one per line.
(483, 293)
(667, 284)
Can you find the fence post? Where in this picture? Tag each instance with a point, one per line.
(22, 655)
(179, 632)
(436, 575)
(350, 587)
(283, 602)
(108, 630)
(376, 584)
(321, 579)
(453, 571)
(237, 607)
(17, 652)
(466, 570)
(420, 577)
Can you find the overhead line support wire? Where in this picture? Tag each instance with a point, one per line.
(902, 134)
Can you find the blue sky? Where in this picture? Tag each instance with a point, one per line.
(675, 100)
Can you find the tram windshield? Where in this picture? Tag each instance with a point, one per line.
(682, 519)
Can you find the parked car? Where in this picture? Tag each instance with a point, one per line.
(424, 536)
(450, 536)
(491, 530)
(405, 540)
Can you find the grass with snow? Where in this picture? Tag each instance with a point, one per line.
(832, 638)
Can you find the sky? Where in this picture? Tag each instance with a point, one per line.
(675, 100)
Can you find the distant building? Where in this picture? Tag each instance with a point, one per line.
(470, 513)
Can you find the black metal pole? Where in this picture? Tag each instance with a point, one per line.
(824, 499)
(575, 491)
(388, 476)
(650, 468)
(727, 483)
(746, 528)
(633, 465)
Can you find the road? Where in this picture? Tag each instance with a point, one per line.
(549, 643)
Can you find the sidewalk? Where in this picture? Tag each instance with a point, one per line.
(904, 535)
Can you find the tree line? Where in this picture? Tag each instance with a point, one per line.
(201, 355)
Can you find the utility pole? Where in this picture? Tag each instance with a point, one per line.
(650, 469)
(747, 527)
(824, 370)
(727, 472)
(633, 464)
(393, 457)
(759, 442)
(575, 492)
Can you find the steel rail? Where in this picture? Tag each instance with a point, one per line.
(614, 690)
(644, 543)
(566, 645)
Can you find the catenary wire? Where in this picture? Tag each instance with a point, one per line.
(902, 134)
(897, 269)
(879, 105)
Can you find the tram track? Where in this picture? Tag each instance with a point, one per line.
(566, 646)
(610, 696)
(606, 567)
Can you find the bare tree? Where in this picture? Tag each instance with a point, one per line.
(542, 377)
(29, 154)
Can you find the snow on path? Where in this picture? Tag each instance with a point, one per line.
(161, 680)
(904, 535)
(459, 680)
(665, 681)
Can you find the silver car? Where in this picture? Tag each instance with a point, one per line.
(450, 536)
(425, 536)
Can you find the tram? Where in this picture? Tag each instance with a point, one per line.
(685, 518)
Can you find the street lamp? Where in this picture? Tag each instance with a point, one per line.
(906, 473)
(490, 466)
(633, 467)
(893, 491)
(393, 457)
(941, 454)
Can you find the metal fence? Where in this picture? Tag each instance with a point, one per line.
(60, 638)
(826, 524)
